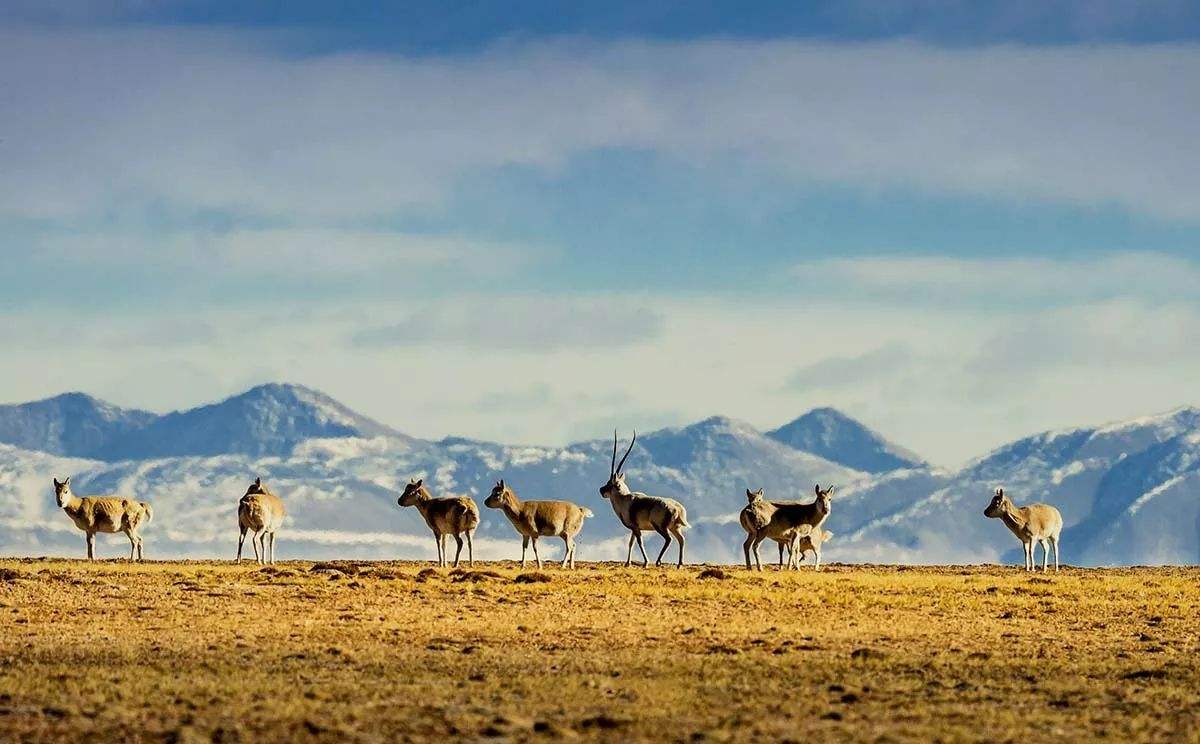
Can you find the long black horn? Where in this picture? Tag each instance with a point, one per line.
(626, 457)
(612, 469)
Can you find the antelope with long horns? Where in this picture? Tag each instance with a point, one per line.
(639, 512)
(94, 514)
(453, 515)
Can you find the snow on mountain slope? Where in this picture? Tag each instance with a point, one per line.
(837, 437)
(266, 420)
(72, 424)
(1127, 491)
(1092, 475)
(341, 492)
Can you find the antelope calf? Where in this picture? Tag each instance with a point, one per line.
(94, 514)
(811, 541)
(534, 519)
(262, 513)
(639, 512)
(1034, 523)
(782, 521)
(454, 515)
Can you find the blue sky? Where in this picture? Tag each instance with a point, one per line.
(958, 221)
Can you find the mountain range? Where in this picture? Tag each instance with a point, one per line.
(1128, 491)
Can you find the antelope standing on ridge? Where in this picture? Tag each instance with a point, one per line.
(94, 514)
(786, 522)
(1033, 523)
(262, 513)
(535, 519)
(638, 512)
(453, 515)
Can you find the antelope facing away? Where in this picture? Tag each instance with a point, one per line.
(454, 515)
(534, 519)
(786, 522)
(94, 514)
(639, 512)
(262, 513)
(1034, 523)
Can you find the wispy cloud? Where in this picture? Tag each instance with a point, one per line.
(100, 120)
(852, 371)
(1031, 279)
(520, 324)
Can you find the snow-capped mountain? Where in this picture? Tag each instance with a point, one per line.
(266, 420)
(71, 424)
(835, 436)
(1128, 492)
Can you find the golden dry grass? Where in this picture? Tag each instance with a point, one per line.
(210, 651)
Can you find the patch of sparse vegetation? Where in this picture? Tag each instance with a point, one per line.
(402, 651)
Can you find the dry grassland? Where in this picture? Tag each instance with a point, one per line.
(210, 651)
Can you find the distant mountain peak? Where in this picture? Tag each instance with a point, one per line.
(268, 419)
(831, 434)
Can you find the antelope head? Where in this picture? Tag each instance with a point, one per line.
(256, 488)
(824, 498)
(62, 491)
(752, 496)
(500, 494)
(413, 493)
(616, 479)
(998, 506)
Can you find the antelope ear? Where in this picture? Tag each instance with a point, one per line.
(57, 485)
(759, 492)
(829, 491)
(420, 482)
(817, 489)
(258, 481)
(67, 482)
(501, 483)
(1000, 492)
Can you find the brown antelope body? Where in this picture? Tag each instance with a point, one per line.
(534, 519)
(639, 512)
(782, 521)
(112, 514)
(260, 512)
(454, 515)
(1032, 523)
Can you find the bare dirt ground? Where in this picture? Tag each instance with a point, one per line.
(209, 651)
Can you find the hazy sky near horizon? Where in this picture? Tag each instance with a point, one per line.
(960, 222)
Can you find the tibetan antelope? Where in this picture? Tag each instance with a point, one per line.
(638, 512)
(782, 521)
(94, 514)
(1033, 523)
(534, 519)
(453, 515)
(812, 541)
(262, 513)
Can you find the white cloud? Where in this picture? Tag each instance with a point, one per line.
(281, 252)
(101, 121)
(1043, 280)
(519, 324)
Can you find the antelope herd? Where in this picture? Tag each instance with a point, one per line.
(797, 527)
